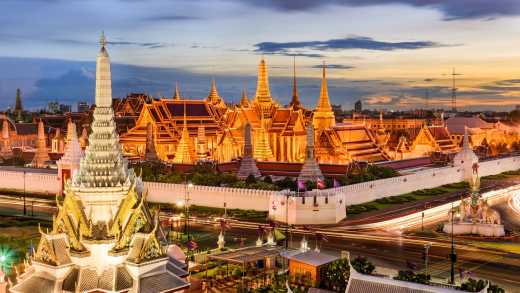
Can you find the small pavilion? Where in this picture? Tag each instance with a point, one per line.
(257, 263)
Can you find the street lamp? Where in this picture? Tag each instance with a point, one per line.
(24, 206)
(427, 247)
(189, 186)
(453, 255)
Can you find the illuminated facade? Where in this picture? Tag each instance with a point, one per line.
(103, 238)
(182, 127)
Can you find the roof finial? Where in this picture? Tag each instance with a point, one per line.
(102, 39)
(295, 103)
(177, 94)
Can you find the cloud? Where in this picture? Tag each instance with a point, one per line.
(379, 100)
(334, 66)
(171, 18)
(450, 9)
(149, 45)
(348, 43)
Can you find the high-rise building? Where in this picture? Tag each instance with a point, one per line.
(83, 106)
(358, 106)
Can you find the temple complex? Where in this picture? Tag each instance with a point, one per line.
(103, 238)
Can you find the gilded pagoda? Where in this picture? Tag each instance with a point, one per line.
(186, 131)
(104, 238)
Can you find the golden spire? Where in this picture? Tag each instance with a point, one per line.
(244, 101)
(177, 95)
(102, 40)
(262, 150)
(295, 102)
(323, 102)
(263, 94)
(213, 96)
(183, 152)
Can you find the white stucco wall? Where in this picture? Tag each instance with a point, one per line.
(261, 200)
(303, 210)
(234, 198)
(34, 182)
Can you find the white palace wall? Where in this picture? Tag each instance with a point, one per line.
(210, 196)
(428, 178)
(36, 182)
(261, 200)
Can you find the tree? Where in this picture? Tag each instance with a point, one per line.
(362, 265)
(336, 275)
(409, 276)
(472, 285)
(250, 179)
(268, 179)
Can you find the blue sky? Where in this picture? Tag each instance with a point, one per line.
(386, 53)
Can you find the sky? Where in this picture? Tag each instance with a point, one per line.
(388, 54)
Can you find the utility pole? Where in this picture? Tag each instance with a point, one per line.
(453, 90)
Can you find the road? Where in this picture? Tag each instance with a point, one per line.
(388, 251)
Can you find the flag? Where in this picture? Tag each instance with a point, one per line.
(320, 183)
(224, 225)
(462, 273)
(301, 185)
(261, 230)
(411, 265)
(336, 183)
(192, 245)
(278, 235)
(322, 237)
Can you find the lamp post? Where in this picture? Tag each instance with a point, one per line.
(187, 209)
(24, 203)
(427, 247)
(453, 255)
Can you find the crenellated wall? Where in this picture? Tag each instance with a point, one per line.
(34, 181)
(428, 178)
(262, 200)
(312, 208)
(211, 196)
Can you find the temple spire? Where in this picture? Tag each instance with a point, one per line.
(213, 96)
(324, 102)
(41, 156)
(263, 93)
(244, 100)
(202, 143)
(103, 76)
(323, 117)
(262, 150)
(183, 151)
(310, 170)
(248, 164)
(177, 94)
(295, 101)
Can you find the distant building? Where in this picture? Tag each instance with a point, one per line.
(83, 106)
(53, 107)
(358, 106)
(18, 108)
(65, 108)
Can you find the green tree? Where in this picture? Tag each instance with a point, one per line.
(362, 265)
(336, 275)
(250, 179)
(409, 276)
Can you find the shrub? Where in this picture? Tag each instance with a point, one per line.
(409, 276)
(362, 265)
(250, 179)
